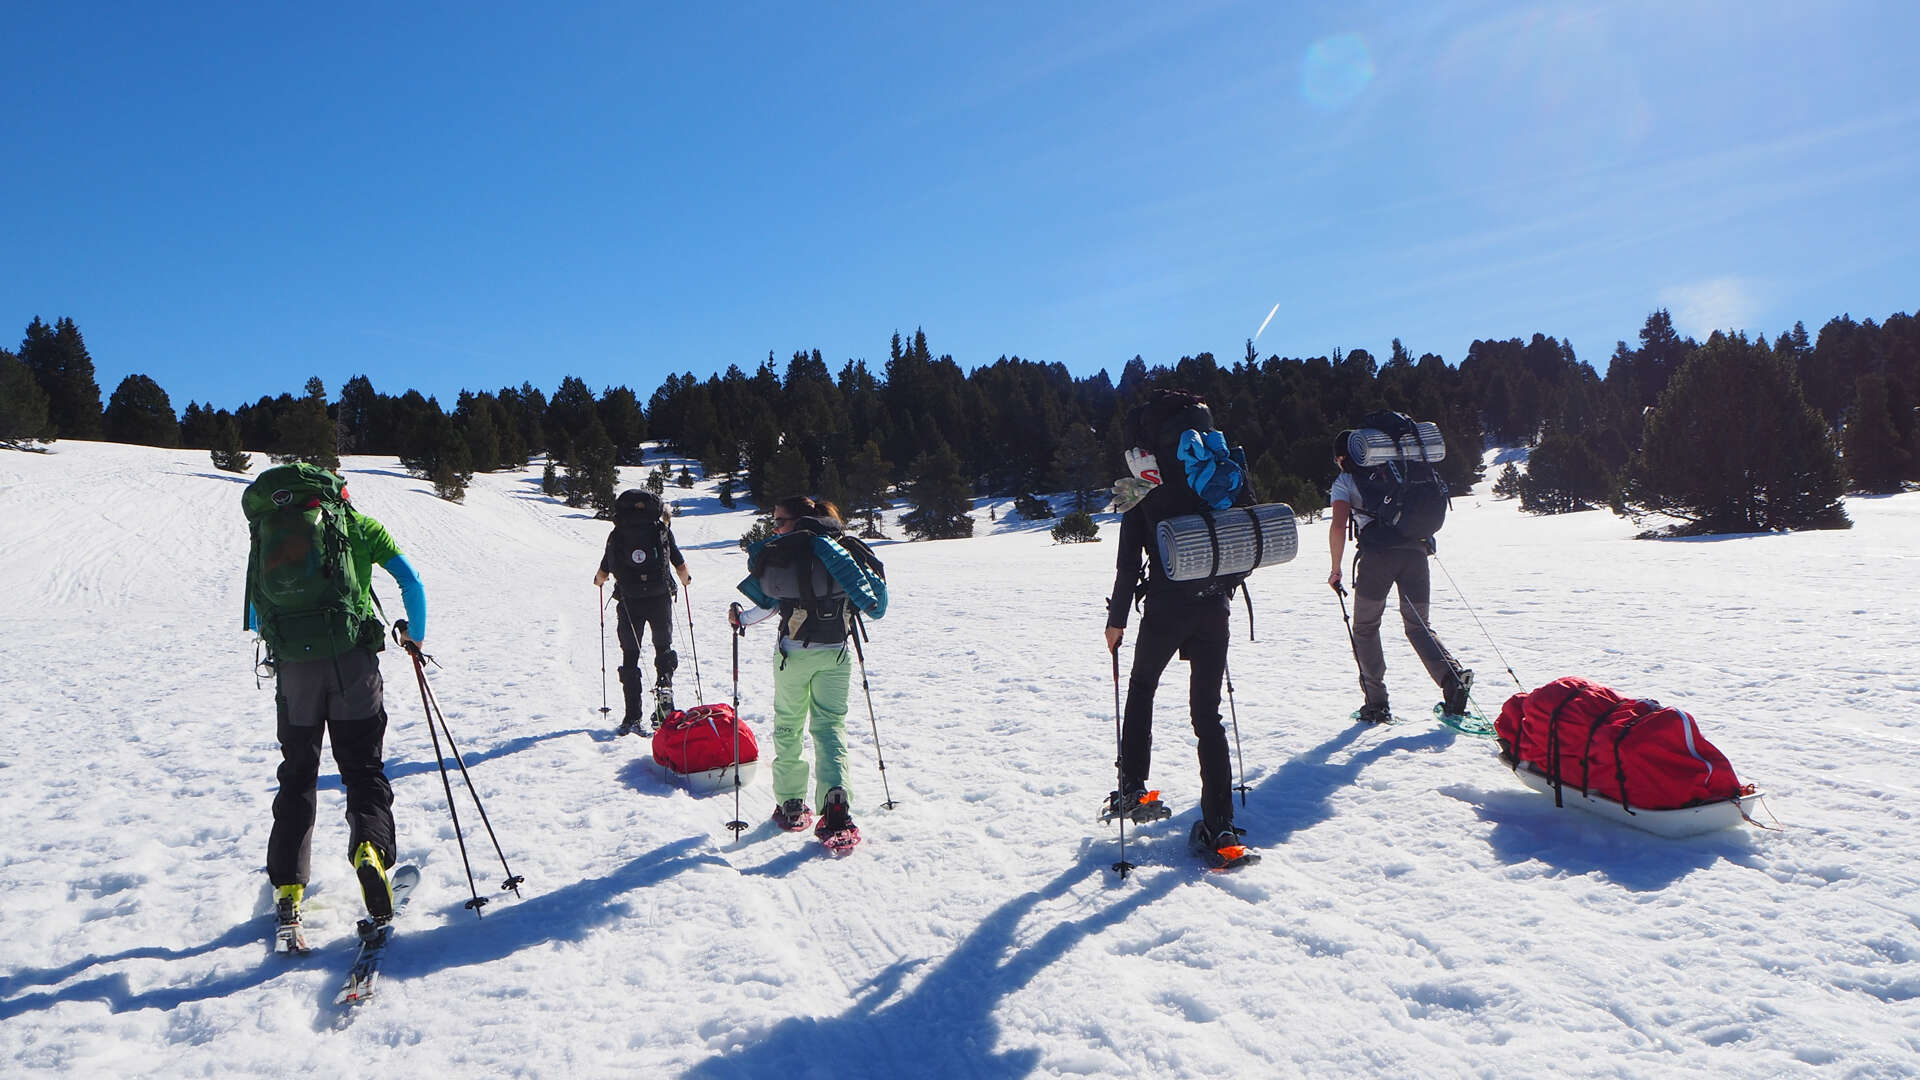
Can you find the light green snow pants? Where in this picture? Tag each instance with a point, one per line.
(810, 693)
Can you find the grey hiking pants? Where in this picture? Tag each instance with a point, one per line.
(344, 696)
(1405, 569)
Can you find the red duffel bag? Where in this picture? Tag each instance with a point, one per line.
(701, 739)
(1640, 754)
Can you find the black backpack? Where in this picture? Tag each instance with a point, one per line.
(791, 573)
(638, 549)
(1158, 425)
(1408, 500)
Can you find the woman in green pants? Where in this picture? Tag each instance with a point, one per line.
(816, 579)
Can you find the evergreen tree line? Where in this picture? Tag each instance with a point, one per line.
(1732, 434)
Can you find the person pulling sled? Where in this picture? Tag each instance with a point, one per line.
(1391, 500)
(640, 550)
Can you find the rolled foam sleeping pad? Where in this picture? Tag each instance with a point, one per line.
(1370, 446)
(1244, 537)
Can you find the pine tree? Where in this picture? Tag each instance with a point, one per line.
(593, 473)
(1876, 460)
(359, 416)
(549, 480)
(226, 453)
(1032, 507)
(626, 425)
(1508, 485)
(941, 497)
(24, 419)
(867, 484)
(1732, 446)
(726, 492)
(1076, 528)
(474, 416)
(198, 426)
(140, 413)
(1563, 475)
(785, 475)
(57, 355)
(1076, 465)
(305, 432)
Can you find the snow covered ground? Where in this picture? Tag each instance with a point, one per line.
(1418, 912)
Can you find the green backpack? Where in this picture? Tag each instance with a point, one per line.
(302, 583)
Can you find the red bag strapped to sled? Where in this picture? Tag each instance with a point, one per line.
(1634, 760)
(696, 746)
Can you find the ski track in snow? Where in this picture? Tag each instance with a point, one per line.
(1418, 912)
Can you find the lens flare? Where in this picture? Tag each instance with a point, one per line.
(1337, 70)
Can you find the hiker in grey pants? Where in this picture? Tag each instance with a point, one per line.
(1378, 569)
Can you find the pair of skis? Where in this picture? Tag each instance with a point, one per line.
(373, 935)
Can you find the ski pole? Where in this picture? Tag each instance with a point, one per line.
(1483, 626)
(426, 705)
(1352, 642)
(693, 643)
(1240, 763)
(738, 824)
(1123, 867)
(860, 631)
(604, 710)
(513, 880)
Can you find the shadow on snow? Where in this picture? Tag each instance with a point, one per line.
(948, 1015)
(569, 913)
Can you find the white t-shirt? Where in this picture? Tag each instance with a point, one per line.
(1347, 490)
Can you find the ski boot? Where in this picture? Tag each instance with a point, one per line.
(288, 935)
(835, 829)
(794, 815)
(1139, 805)
(375, 886)
(1219, 847)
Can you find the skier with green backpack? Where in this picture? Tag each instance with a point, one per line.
(309, 596)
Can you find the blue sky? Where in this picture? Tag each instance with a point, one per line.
(233, 197)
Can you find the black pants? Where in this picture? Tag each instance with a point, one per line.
(1198, 632)
(344, 696)
(656, 614)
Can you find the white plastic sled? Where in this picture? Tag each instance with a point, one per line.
(710, 781)
(1687, 821)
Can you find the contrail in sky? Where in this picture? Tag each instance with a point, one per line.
(1265, 321)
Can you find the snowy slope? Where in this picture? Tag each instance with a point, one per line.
(1419, 913)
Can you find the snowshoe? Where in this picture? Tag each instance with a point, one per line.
(1219, 849)
(662, 703)
(793, 815)
(1138, 804)
(288, 935)
(1467, 723)
(1374, 713)
(835, 828)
